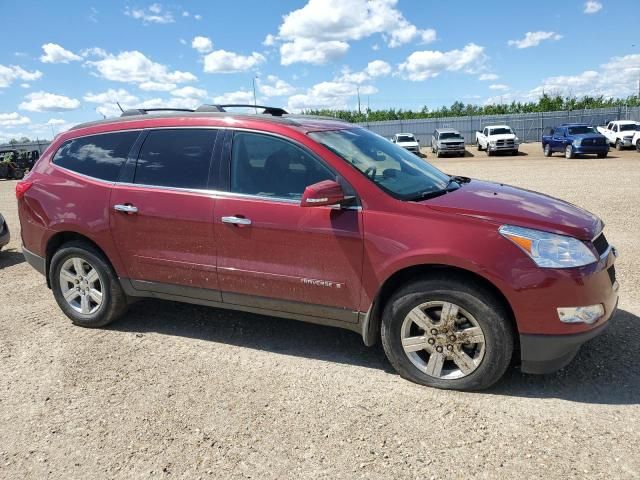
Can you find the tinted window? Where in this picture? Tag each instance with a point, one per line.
(559, 132)
(176, 158)
(269, 166)
(99, 156)
(581, 129)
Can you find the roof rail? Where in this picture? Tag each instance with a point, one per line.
(143, 111)
(274, 111)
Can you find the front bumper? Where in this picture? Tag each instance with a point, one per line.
(590, 149)
(412, 149)
(500, 148)
(5, 235)
(548, 353)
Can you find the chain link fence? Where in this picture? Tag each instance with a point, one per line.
(528, 126)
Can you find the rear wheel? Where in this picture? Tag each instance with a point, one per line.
(447, 334)
(568, 152)
(547, 150)
(85, 285)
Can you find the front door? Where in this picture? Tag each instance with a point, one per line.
(162, 222)
(275, 254)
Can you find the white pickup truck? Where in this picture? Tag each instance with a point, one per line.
(497, 138)
(407, 141)
(636, 140)
(620, 133)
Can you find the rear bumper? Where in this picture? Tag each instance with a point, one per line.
(35, 261)
(548, 353)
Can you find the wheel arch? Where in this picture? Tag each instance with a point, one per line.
(60, 238)
(373, 318)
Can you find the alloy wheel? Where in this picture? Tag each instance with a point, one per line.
(81, 286)
(443, 340)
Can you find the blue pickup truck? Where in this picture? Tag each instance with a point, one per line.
(574, 139)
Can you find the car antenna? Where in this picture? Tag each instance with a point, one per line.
(121, 109)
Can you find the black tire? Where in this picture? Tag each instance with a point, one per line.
(489, 152)
(547, 150)
(602, 155)
(18, 174)
(479, 146)
(619, 145)
(114, 303)
(488, 312)
(568, 152)
(638, 145)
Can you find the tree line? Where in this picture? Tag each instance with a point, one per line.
(546, 103)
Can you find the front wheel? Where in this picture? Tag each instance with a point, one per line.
(547, 150)
(638, 145)
(568, 152)
(602, 155)
(447, 334)
(85, 286)
(618, 145)
(479, 146)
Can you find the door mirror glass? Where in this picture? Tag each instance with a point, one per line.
(327, 192)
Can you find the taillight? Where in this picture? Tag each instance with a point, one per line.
(22, 187)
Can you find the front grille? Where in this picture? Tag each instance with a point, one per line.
(453, 145)
(594, 141)
(601, 244)
(505, 142)
(612, 274)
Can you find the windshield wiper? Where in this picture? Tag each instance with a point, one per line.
(454, 183)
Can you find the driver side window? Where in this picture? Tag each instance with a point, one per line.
(269, 166)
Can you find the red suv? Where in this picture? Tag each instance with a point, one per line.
(322, 221)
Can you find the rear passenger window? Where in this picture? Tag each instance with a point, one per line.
(271, 167)
(176, 158)
(98, 156)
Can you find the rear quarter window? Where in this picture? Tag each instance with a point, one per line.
(98, 156)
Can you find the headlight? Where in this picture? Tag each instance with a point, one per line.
(549, 250)
(577, 142)
(492, 142)
(516, 140)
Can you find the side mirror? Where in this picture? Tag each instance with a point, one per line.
(327, 192)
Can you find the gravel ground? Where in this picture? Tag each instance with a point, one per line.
(182, 391)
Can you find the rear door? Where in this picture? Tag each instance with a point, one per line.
(162, 213)
(275, 254)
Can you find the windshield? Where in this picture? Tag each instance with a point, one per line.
(500, 131)
(581, 129)
(626, 127)
(405, 138)
(445, 135)
(397, 171)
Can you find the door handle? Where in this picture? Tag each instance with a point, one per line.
(125, 208)
(236, 220)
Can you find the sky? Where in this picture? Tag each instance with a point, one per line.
(62, 63)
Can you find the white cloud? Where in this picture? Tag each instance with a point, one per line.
(310, 51)
(335, 94)
(376, 68)
(189, 92)
(13, 119)
(202, 44)
(221, 61)
(10, 74)
(94, 52)
(197, 16)
(48, 102)
(533, 39)
(25, 85)
(331, 24)
(269, 40)
(156, 86)
(422, 65)
(592, 6)
(54, 53)
(272, 86)
(488, 76)
(499, 86)
(56, 121)
(111, 96)
(155, 13)
(240, 96)
(134, 67)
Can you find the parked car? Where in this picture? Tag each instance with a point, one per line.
(620, 133)
(10, 165)
(636, 140)
(5, 236)
(321, 221)
(497, 138)
(447, 141)
(407, 141)
(574, 139)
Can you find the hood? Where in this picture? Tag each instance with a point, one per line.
(504, 204)
(452, 140)
(407, 144)
(502, 136)
(588, 135)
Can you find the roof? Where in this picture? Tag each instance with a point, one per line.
(305, 122)
(497, 126)
(447, 129)
(405, 134)
(625, 122)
